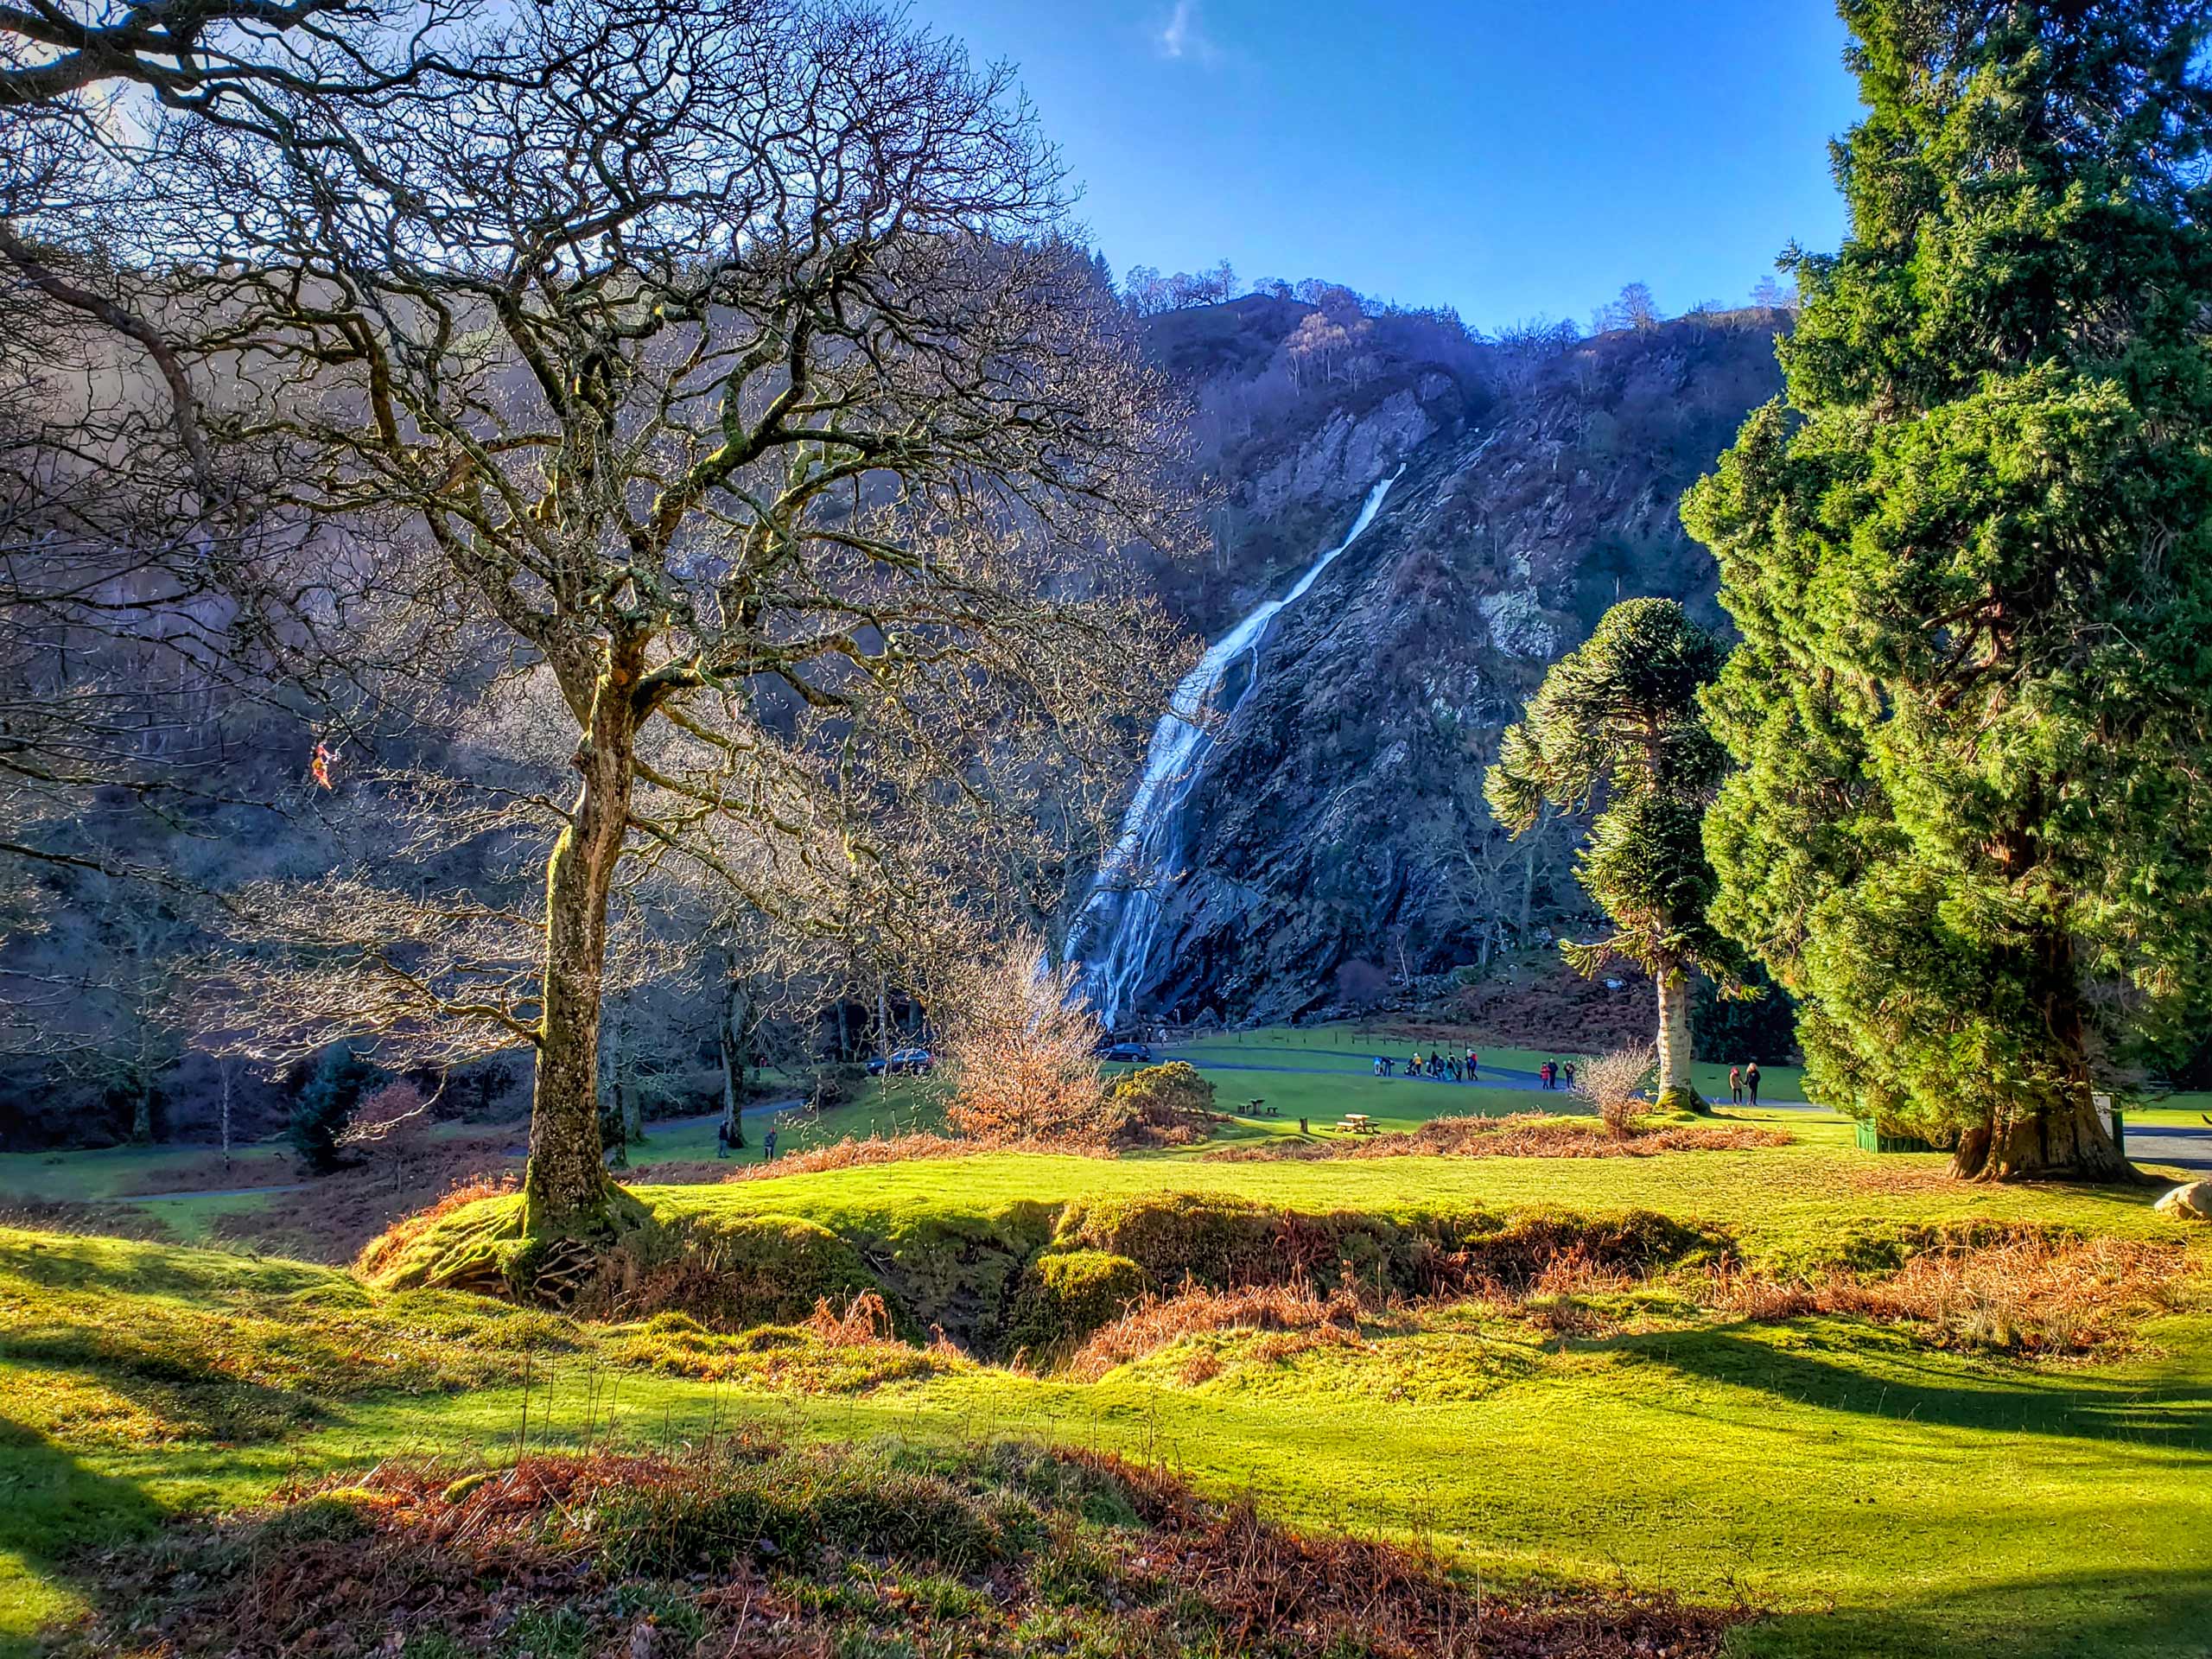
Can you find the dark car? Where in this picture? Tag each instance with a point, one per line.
(1134, 1051)
(904, 1062)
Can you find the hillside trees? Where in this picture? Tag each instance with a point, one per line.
(1619, 716)
(135, 604)
(716, 377)
(1972, 561)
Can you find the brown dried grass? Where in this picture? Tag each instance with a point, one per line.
(1297, 1316)
(1521, 1134)
(386, 1247)
(2031, 1296)
(409, 1550)
(853, 1153)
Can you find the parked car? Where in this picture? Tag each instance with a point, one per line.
(1134, 1051)
(904, 1062)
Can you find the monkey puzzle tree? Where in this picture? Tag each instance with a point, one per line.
(1619, 717)
(1972, 561)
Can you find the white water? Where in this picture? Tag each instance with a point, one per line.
(1120, 924)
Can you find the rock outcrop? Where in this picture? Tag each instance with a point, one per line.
(1337, 827)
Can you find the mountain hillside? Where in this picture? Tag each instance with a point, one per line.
(1332, 837)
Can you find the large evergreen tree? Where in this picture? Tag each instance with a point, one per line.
(1618, 719)
(1972, 561)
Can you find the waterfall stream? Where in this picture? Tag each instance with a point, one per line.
(1114, 936)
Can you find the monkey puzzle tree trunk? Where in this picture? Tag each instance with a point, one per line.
(567, 1182)
(1676, 1092)
(2053, 1132)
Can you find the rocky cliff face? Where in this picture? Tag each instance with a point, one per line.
(1335, 836)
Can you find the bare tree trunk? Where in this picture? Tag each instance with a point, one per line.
(1676, 1090)
(566, 1182)
(732, 1047)
(629, 1106)
(225, 1118)
(882, 1038)
(2056, 1134)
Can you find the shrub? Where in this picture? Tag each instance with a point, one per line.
(1161, 1105)
(1613, 1085)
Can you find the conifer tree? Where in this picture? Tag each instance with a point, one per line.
(1620, 715)
(1971, 557)
(327, 1105)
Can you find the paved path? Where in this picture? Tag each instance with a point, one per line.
(201, 1192)
(1491, 1077)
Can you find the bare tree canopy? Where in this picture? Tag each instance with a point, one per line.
(719, 381)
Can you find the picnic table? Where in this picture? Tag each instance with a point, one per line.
(1356, 1124)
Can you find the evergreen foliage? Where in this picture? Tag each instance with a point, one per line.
(1620, 715)
(327, 1106)
(1972, 562)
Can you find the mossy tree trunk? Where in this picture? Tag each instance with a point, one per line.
(567, 1184)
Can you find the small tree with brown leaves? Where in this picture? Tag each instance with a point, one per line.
(1022, 1047)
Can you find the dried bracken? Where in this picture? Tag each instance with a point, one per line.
(2030, 1295)
(755, 1550)
(1296, 1309)
(1521, 1134)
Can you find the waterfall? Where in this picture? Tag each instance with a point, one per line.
(1114, 936)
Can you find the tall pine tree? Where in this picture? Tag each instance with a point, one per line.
(1972, 562)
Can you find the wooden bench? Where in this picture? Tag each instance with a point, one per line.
(1356, 1124)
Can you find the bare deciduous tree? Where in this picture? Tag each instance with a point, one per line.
(728, 374)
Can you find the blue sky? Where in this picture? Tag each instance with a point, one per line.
(1504, 156)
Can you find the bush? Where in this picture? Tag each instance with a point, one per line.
(1160, 1105)
(1613, 1085)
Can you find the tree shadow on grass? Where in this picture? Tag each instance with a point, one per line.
(1838, 1365)
(2141, 1615)
(53, 1511)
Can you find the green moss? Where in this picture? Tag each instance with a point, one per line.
(1067, 1294)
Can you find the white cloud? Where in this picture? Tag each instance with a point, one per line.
(1183, 37)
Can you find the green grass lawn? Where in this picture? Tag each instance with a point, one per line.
(77, 1177)
(1882, 1497)
(1350, 1047)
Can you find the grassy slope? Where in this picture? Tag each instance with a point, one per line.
(1933, 1503)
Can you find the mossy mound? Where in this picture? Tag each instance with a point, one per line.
(1218, 1243)
(1067, 1294)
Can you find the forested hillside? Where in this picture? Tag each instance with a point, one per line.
(1541, 476)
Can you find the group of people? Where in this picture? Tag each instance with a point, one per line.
(1557, 1075)
(1744, 1083)
(1445, 1068)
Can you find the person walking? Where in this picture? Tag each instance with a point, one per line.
(1474, 1061)
(768, 1146)
(1413, 1065)
(1735, 1085)
(1547, 1071)
(1569, 1069)
(1751, 1082)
